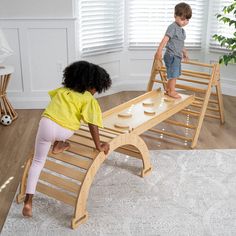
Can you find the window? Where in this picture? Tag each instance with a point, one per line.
(219, 27)
(100, 26)
(149, 19)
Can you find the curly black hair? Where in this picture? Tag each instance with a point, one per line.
(82, 75)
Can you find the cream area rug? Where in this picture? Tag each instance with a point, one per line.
(188, 193)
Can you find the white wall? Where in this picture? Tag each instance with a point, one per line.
(44, 39)
(36, 8)
(42, 48)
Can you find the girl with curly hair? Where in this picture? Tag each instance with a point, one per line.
(69, 105)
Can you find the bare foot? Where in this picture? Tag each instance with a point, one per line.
(60, 146)
(27, 210)
(173, 95)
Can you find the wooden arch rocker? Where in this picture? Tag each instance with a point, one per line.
(68, 176)
(90, 163)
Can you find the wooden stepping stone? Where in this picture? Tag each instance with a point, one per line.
(148, 103)
(121, 126)
(169, 99)
(149, 112)
(125, 115)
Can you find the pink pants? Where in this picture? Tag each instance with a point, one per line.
(48, 133)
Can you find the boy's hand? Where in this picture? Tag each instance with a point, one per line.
(158, 56)
(185, 57)
(104, 147)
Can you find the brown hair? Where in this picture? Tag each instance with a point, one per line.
(183, 10)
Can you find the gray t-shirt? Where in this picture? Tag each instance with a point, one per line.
(176, 42)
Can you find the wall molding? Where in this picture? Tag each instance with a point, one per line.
(44, 46)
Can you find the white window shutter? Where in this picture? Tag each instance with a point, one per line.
(101, 26)
(218, 27)
(149, 19)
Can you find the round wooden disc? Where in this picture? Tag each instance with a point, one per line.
(125, 115)
(148, 103)
(169, 100)
(121, 126)
(149, 112)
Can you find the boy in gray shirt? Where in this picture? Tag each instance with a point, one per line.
(175, 50)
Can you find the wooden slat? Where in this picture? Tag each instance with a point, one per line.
(64, 170)
(195, 63)
(115, 130)
(208, 108)
(212, 116)
(82, 140)
(82, 150)
(57, 194)
(76, 161)
(171, 134)
(196, 113)
(102, 132)
(60, 182)
(210, 101)
(129, 152)
(86, 134)
(173, 122)
(197, 73)
(192, 81)
(191, 113)
(181, 86)
(190, 73)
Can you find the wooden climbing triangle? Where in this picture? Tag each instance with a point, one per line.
(203, 81)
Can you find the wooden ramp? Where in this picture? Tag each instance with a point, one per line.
(203, 81)
(68, 176)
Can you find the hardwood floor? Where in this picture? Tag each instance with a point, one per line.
(17, 141)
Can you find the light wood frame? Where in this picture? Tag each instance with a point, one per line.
(72, 185)
(201, 83)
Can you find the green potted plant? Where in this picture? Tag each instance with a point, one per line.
(226, 42)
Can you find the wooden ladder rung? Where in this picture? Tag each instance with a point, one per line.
(197, 73)
(129, 152)
(196, 113)
(59, 182)
(171, 135)
(87, 134)
(191, 74)
(208, 108)
(76, 161)
(82, 150)
(181, 86)
(192, 81)
(64, 170)
(191, 113)
(173, 122)
(197, 103)
(82, 140)
(115, 130)
(210, 101)
(102, 132)
(57, 194)
(212, 116)
(196, 63)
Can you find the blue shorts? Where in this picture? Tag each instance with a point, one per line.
(173, 66)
